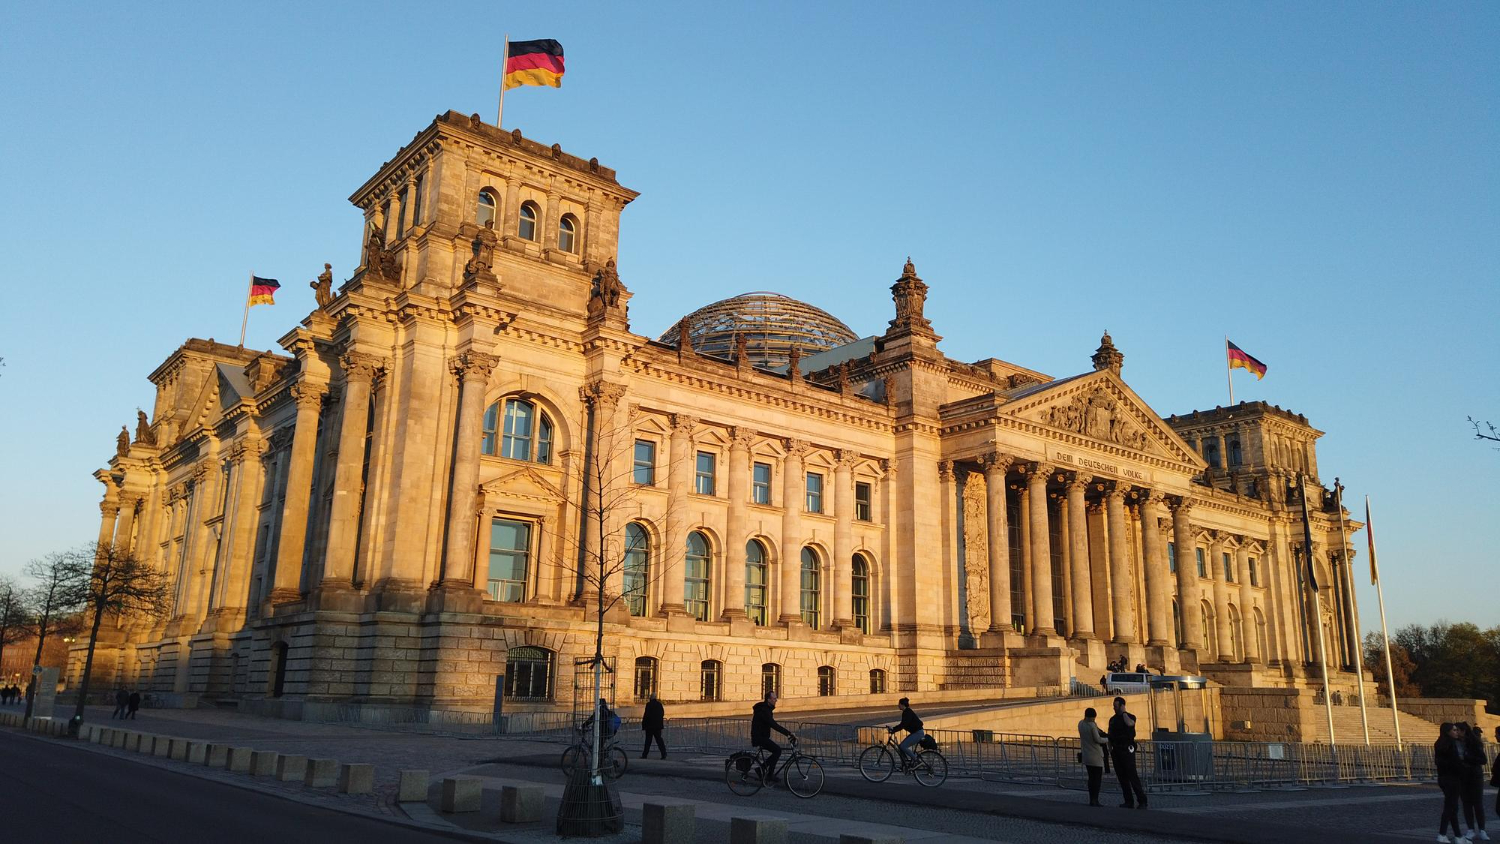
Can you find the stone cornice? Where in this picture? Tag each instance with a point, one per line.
(875, 420)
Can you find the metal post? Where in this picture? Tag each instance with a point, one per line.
(1348, 583)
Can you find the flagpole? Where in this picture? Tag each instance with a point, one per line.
(1390, 676)
(1228, 370)
(246, 320)
(504, 60)
(1359, 662)
(1312, 580)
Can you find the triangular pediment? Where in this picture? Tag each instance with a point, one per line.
(1100, 407)
(524, 482)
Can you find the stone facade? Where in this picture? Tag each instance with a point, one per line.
(465, 454)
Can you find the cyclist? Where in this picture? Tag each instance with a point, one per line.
(607, 717)
(914, 732)
(762, 722)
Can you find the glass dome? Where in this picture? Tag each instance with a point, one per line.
(771, 323)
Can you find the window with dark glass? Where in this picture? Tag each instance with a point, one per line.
(814, 492)
(811, 588)
(567, 233)
(755, 581)
(1172, 557)
(644, 469)
(527, 227)
(760, 483)
(703, 476)
(860, 593)
(1235, 457)
(1228, 568)
(510, 555)
(695, 577)
(1211, 453)
(1202, 564)
(416, 202)
(770, 679)
(1254, 575)
(528, 673)
(525, 431)
(637, 563)
(877, 681)
(712, 674)
(484, 216)
(826, 681)
(645, 677)
(401, 214)
(862, 501)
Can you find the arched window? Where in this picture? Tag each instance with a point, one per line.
(1211, 453)
(528, 673)
(695, 577)
(525, 433)
(527, 227)
(637, 563)
(1235, 455)
(645, 677)
(770, 679)
(812, 591)
(484, 214)
(755, 581)
(860, 592)
(711, 677)
(827, 681)
(567, 233)
(877, 681)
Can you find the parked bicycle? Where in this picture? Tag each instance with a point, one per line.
(879, 761)
(744, 772)
(580, 755)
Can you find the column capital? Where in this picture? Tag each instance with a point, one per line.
(1116, 492)
(996, 461)
(796, 448)
(109, 507)
(473, 366)
(945, 470)
(682, 423)
(307, 395)
(1146, 496)
(244, 450)
(1079, 482)
(359, 366)
(845, 458)
(1038, 471)
(1181, 505)
(602, 395)
(888, 468)
(740, 438)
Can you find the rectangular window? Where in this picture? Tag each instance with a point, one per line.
(1254, 575)
(644, 470)
(1017, 563)
(695, 587)
(1228, 569)
(703, 480)
(1172, 557)
(710, 685)
(814, 492)
(760, 483)
(755, 592)
(416, 203)
(515, 442)
(510, 553)
(862, 501)
(1202, 565)
(401, 215)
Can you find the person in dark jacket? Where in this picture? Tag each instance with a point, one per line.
(122, 701)
(1471, 785)
(1447, 753)
(914, 732)
(134, 703)
(652, 721)
(762, 722)
(1122, 753)
(1495, 772)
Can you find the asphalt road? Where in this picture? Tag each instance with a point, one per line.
(52, 792)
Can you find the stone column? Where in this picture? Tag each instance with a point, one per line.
(679, 481)
(1158, 589)
(240, 550)
(288, 576)
(1221, 597)
(1028, 610)
(995, 465)
(208, 478)
(1121, 575)
(473, 370)
(109, 511)
(792, 501)
(1187, 574)
(1041, 552)
(130, 502)
(1078, 558)
(843, 539)
(736, 538)
(343, 520)
(395, 225)
(1247, 604)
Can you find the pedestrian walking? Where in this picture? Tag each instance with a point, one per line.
(134, 703)
(1471, 789)
(122, 702)
(1093, 746)
(1495, 772)
(652, 721)
(1122, 753)
(1447, 753)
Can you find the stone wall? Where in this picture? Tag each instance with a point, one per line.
(1252, 714)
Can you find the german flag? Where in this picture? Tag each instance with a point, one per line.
(534, 63)
(263, 290)
(1238, 359)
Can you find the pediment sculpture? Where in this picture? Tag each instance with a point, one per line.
(1096, 415)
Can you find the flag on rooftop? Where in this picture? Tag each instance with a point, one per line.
(263, 290)
(1239, 359)
(533, 63)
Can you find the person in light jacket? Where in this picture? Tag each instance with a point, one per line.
(1093, 744)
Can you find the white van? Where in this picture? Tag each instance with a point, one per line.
(1127, 682)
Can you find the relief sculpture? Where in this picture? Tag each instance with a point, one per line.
(1096, 415)
(976, 553)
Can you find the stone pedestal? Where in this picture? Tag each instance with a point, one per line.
(1163, 659)
(455, 598)
(399, 596)
(337, 597)
(1041, 666)
(1091, 655)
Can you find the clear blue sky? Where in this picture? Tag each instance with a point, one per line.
(1318, 181)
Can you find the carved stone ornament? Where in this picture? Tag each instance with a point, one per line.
(996, 462)
(976, 552)
(143, 434)
(1038, 470)
(482, 256)
(1107, 356)
(796, 448)
(473, 365)
(1098, 416)
(603, 395)
(910, 295)
(307, 396)
(741, 438)
(323, 287)
(605, 291)
(122, 442)
(945, 470)
(378, 261)
(794, 362)
(282, 438)
(359, 366)
(1181, 504)
(683, 423)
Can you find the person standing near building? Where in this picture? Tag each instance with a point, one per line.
(134, 702)
(1447, 754)
(122, 701)
(1122, 752)
(1093, 745)
(1471, 787)
(652, 721)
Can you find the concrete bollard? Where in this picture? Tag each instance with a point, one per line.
(179, 749)
(413, 788)
(461, 794)
(757, 830)
(846, 838)
(117, 739)
(161, 746)
(103, 736)
(263, 763)
(239, 759)
(216, 755)
(321, 773)
(520, 803)
(290, 768)
(356, 778)
(197, 752)
(668, 824)
(133, 741)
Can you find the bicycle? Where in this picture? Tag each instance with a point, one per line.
(579, 756)
(744, 772)
(878, 762)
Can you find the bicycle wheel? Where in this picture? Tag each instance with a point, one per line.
(615, 763)
(876, 764)
(803, 776)
(573, 759)
(743, 783)
(931, 768)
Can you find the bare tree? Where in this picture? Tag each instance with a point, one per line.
(13, 618)
(1479, 432)
(115, 583)
(51, 603)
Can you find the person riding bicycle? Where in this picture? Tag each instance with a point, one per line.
(607, 717)
(914, 732)
(762, 722)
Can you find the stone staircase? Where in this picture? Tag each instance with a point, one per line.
(1347, 729)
